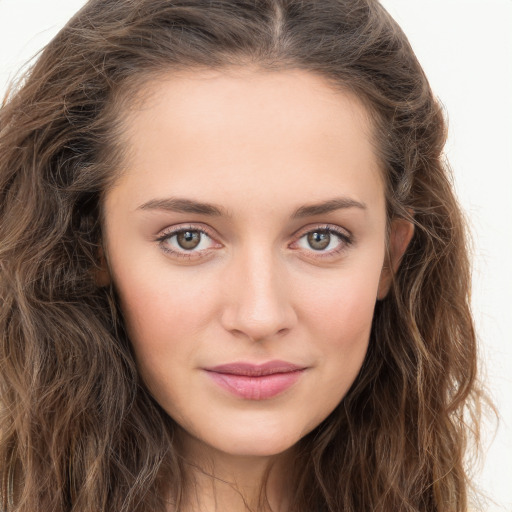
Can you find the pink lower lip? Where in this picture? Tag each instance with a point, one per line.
(259, 387)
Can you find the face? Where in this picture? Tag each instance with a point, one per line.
(246, 240)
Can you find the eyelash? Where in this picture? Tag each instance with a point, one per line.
(345, 238)
(166, 235)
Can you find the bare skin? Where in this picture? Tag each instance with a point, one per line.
(249, 225)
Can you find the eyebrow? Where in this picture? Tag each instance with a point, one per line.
(184, 206)
(339, 203)
(180, 205)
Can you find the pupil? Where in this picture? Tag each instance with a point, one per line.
(319, 240)
(188, 239)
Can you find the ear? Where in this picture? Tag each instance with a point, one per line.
(102, 273)
(400, 235)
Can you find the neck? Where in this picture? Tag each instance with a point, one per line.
(217, 481)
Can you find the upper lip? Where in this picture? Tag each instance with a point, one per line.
(255, 370)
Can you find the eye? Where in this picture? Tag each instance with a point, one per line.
(325, 241)
(319, 240)
(187, 242)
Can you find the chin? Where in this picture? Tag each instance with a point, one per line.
(260, 440)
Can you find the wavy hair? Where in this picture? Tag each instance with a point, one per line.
(78, 430)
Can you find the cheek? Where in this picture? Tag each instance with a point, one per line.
(341, 333)
(161, 316)
(160, 324)
(154, 300)
(340, 316)
(346, 317)
(342, 306)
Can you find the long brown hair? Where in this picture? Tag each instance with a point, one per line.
(78, 429)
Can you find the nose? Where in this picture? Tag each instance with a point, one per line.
(258, 302)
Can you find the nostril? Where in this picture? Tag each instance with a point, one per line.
(244, 327)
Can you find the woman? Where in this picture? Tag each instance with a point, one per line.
(234, 274)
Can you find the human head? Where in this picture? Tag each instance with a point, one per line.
(60, 144)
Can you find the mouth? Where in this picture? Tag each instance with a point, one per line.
(256, 382)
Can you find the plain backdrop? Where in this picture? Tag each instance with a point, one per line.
(465, 47)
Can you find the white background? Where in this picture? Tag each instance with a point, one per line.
(465, 47)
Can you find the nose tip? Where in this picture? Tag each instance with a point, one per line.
(258, 305)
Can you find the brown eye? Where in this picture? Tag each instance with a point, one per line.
(323, 242)
(188, 240)
(319, 240)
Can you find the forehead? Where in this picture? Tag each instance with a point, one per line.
(251, 131)
(288, 101)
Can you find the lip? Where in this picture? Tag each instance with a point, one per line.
(256, 381)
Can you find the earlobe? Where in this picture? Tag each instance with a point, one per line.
(400, 236)
(101, 273)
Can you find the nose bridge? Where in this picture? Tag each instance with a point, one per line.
(258, 302)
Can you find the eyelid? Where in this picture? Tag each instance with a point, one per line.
(333, 228)
(178, 228)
